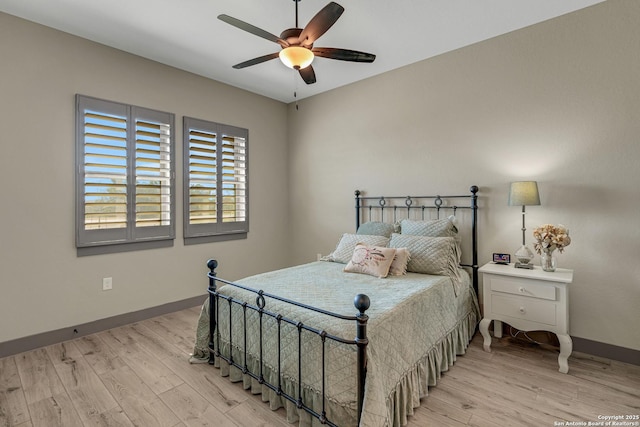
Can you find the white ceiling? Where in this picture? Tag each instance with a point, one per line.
(186, 34)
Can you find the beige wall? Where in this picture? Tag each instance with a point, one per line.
(43, 284)
(557, 102)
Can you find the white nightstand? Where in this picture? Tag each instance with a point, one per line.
(529, 300)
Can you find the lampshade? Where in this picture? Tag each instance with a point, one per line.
(524, 193)
(296, 57)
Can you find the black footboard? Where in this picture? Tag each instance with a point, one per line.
(361, 303)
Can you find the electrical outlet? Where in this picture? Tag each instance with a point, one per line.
(107, 283)
(318, 256)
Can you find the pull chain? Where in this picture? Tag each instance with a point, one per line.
(295, 80)
(295, 87)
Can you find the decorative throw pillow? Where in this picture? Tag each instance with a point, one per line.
(435, 228)
(399, 264)
(344, 250)
(377, 228)
(371, 260)
(429, 255)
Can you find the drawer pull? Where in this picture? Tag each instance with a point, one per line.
(522, 310)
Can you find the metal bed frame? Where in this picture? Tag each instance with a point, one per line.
(396, 205)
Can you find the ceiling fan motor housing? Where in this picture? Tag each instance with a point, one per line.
(291, 35)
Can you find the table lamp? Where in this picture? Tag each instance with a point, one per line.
(524, 193)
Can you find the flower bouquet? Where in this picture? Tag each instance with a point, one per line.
(549, 238)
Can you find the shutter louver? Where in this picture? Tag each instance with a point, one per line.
(105, 171)
(234, 181)
(152, 173)
(203, 199)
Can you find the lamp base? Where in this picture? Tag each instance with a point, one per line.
(524, 255)
(522, 265)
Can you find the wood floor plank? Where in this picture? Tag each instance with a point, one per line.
(608, 380)
(177, 329)
(572, 410)
(428, 418)
(206, 379)
(39, 377)
(253, 412)
(444, 409)
(147, 366)
(87, 392)
(112, 418)
(484, 384)
(99, 355)
(13, 406)
(436, 412)
(193, 409)
(180, 322)
(626, 370)
(489, 406)
(141, 405)
(601, 397)
(545, 406)
(54, 411)
(155, 344)
(478, 421)
(536, 380)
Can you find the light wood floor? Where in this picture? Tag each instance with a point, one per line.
(139, 375)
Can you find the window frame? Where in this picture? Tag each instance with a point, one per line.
(219, 230)
(130, 237)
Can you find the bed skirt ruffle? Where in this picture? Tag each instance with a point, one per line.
(415, 384)
(401, 402)
(339, 413)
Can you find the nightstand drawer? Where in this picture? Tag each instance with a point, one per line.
(524, 287)
(524, 308)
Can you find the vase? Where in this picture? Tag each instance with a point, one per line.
(548, 261)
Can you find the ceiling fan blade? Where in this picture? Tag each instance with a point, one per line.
(252, 29)
(255, 61)
(308, 75)
(320, 23)
(343, 54)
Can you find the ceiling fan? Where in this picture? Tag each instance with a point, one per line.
(297, 43)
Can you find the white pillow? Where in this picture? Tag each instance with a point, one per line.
(399, 264)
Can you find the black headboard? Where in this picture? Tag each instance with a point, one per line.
(395, 208)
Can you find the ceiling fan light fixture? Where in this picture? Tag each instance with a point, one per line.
(296, 57)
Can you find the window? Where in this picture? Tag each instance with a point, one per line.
(215, 181)
(125, 177)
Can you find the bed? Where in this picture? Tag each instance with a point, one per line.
(294, 336)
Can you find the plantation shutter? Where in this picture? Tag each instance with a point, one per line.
(215, 165)
(234, 178)
(202, 192)
(125, 174)
(105, 165)
(153, 173)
